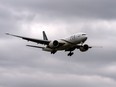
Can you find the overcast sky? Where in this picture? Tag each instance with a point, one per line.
(21, 66)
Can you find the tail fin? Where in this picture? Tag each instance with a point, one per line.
(44, 36)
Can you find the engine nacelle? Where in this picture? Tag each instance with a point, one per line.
(84, 48)
(54, 44)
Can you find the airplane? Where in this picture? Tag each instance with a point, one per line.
(69, 44)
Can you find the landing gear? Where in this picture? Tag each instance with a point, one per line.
(53, 52)
(70, 54)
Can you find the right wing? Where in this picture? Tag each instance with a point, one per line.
(39, 41)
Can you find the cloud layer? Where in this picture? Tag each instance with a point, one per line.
(21, 66)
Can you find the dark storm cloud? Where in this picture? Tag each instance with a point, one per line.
(21, 66)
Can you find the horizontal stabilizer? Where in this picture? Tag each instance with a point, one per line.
(96, 47)
(34, 46)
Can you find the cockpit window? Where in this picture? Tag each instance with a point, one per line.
(83, 34)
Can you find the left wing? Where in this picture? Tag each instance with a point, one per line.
(39, 41)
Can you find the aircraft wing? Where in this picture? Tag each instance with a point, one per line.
(45, 42)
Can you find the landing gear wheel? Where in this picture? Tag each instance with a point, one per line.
(53, 52)
(70, 54)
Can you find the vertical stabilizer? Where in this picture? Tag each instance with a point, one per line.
(44, 36)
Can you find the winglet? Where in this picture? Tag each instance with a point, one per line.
(7, 33)
(13, 35)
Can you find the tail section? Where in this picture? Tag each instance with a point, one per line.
(44, 36)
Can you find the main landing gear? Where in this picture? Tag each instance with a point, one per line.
(53, 52)
(70, 54)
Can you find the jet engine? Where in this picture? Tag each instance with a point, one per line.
(54, 44)
(84, 48)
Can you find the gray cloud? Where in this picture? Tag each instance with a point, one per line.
(27, 67)
(72, 8)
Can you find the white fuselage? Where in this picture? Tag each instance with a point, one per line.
(71, 41)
